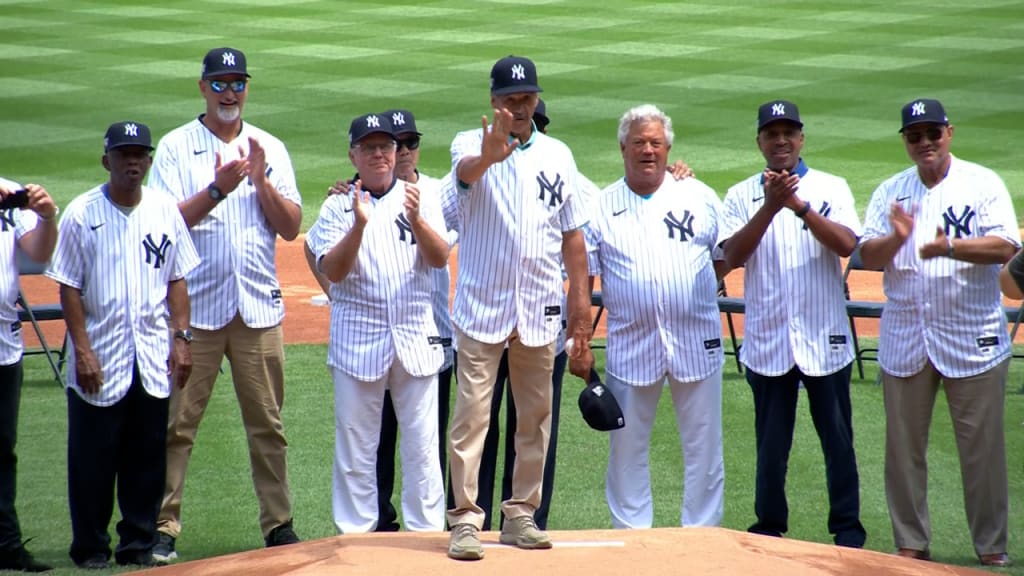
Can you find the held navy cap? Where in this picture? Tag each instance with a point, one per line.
(223, 62)
(127, 133)
(924, 110)
(599, 407)
(540, 117)
(778, 110)
(514, 74)
(363, 126)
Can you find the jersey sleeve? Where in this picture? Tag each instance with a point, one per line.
(573, 214)
(186, 258)
(282, 175)
(164, 174)
(330, 227)
(734, 214)
(876, 218)
(845, 211)
(465, 144)
(67, 266)
(997, 216)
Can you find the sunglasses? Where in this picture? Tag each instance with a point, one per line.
(219, 86)
(410, 143)
(934, 134)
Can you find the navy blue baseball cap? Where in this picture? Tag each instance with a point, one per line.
(128, 133)
(513, 74)
(402, 122)
(924, 110)
(540, 117)
(599, 407)
(223, 62)
(363, 126)
(778, 110)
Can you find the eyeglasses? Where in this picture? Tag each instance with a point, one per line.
(410, 143)
(370, 149)
(219, 86)
(934, 134)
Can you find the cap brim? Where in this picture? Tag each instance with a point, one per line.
(226, 73)
(521, 88)
(409, 132)
(128, 145)
(915, 122)
(374, 131)
(774, 120)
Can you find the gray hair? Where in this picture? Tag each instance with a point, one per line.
(645, 113)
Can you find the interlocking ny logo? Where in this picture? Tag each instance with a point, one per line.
(372, 122)
(554, 189)
(518, 72)
(156, 254)
(917, 109)
(778, 109)
(404, 226)
(6, 220)
(131, 129)
(960, 227)
(228, 59)
(684, 226)
(825, 211)
(398, 119)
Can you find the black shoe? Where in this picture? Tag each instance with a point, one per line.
(282, 536)
(21, 559)
(164, 550)
(139, 559)
(98, 562)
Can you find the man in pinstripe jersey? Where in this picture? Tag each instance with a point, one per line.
(235, 186)
(378, 245)
(663, 321)
(788, 226)
(519, 216)
(941, 229)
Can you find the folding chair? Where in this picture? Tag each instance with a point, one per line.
(37, 313)
(860, 309)
(730, 305)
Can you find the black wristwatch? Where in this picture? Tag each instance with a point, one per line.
(215, 192)
(185, 335)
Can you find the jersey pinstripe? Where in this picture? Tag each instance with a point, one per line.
(654, 257)
(122, 264)
(14, 224)
(382, 309)
(237, 274)
(510, 234)
(793, 284)
(441, 277)
(943, 309)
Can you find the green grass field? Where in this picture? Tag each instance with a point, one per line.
(68, 68)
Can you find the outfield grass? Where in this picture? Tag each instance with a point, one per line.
(68, 68)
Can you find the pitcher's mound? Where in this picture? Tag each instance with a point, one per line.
(576, 553)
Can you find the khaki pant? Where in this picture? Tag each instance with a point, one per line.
(530, 378)
(257, 367)
(976, 406)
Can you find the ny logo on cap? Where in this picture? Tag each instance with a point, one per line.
(778, 109)
(917, 109)
(398, 119)
(372, 122)
(131, 130)
(518, 72)
(228, 59)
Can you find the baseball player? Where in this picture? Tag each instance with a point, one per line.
(235, 186)
(789, 225)
(377, 246)
(33, 230)
(941, 229)
(121, 261)
(663, 321)
(517, 197)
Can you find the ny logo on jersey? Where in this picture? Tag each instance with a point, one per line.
(917, 109)
(228, 59)
(267, 174)
(156, 253)
(825, 211)
(518, 72)
(398, 119)
(960, 227)
(552, 188)
(6, 220)
(131, 129)
(778, 109)
(684, 226)
(404, 226)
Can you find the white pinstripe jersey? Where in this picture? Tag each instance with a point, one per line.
(122, 264)
(943, 309)
(654, 256)
(441, 277)
(510, 252)
(14, 224)
(383, 307)
(237, 273)
(793, 284)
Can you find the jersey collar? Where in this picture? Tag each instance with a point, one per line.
(528, 143)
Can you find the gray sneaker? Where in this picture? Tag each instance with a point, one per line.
(464, 543)
(522, 532)
(164, 552)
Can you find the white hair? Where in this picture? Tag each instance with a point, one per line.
(645, 113)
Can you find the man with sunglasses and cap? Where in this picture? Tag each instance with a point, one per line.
(789, 225)
(235, 186)
(518, 196)
(121, 260)
(940, 231)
